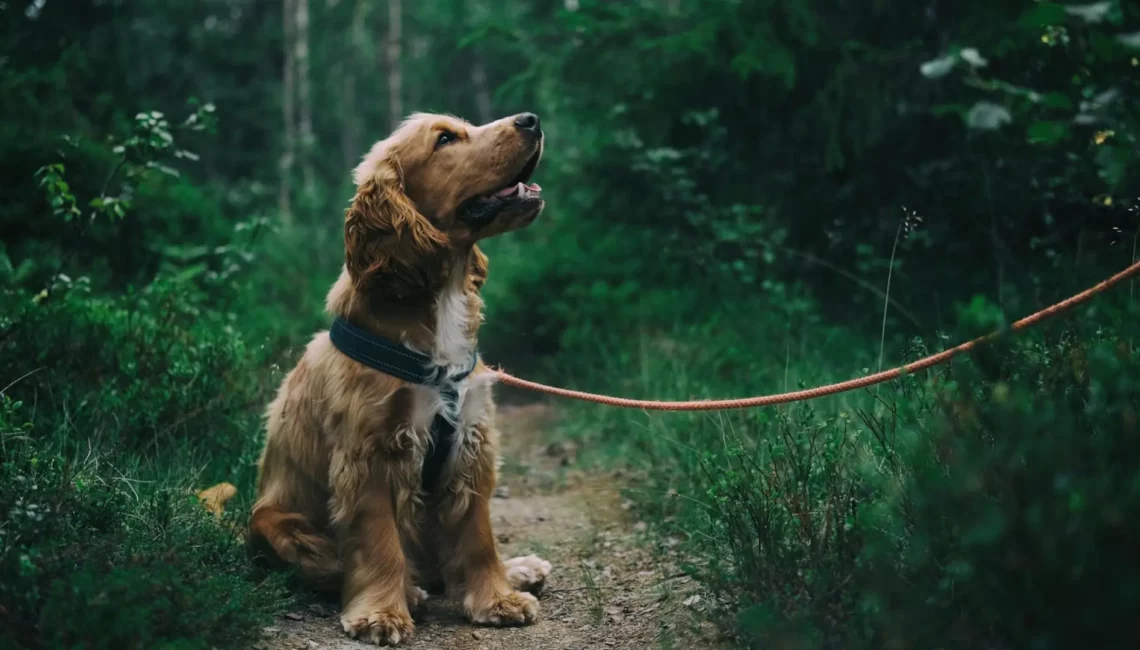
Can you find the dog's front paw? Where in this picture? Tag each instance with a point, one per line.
(528, 573)
(511, 608)
(380, 627)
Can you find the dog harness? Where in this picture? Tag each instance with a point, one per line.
(394, 359)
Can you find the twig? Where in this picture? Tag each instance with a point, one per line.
(21, 378)
(887, 296)
(70, 256)
(859, 281)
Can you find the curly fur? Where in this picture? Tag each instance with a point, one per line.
(339, 494)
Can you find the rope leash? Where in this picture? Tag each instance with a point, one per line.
(831, 389)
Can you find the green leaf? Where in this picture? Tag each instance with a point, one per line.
(1090, 13)
(1057, 100)
(1112, 162)
(939, 67)
(987, 116)
(1043, 14)
(1048, 132)
(7, 271)
(1130, 40)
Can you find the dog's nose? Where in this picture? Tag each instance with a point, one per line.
(527, 122)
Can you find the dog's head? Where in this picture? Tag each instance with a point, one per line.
(439, 183)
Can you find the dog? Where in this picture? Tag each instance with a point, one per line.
(357, 488)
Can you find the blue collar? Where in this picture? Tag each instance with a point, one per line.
(393, 359)
(390, 357)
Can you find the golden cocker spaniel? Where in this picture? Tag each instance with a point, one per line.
(357, 488)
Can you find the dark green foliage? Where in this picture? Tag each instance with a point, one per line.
(92, 556)
(726, 183)
(962, 507)
(145, 372)
(741, 142)
(1019, 501)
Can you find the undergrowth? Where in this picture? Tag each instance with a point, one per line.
(966, 506)
(133, 379)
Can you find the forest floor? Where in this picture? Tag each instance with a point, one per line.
(608, 590)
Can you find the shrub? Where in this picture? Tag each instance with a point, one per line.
(94, 555)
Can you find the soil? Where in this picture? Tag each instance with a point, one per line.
(607, 589)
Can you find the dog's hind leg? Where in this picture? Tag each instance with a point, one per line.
(290, 523)
(291, 538)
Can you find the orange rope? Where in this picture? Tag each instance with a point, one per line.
(811, 393)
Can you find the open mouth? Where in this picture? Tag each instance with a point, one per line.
(482, 209)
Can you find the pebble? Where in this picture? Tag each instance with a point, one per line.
(295, 616)
(502, 492)
(320, 610)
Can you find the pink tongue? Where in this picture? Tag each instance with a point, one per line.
(534, 187)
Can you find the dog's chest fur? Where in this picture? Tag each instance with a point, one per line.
(458, 313)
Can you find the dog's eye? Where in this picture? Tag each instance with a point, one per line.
(444, 138)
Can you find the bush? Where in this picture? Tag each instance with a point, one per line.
(1019, 490)
(153, 372)
(136, 371)
(966, 505)
(94, 555)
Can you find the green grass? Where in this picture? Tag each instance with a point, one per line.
(123, 407)
(958, 507)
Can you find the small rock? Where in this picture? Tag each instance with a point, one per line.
(313, 645)
(502, 492)
(616, 614)
(564, 451)
(650, 608)
(271, 631)
(691, 600)
(295, 616)
(476, 636)
(320, 610)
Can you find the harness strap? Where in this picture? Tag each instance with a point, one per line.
(394, 359)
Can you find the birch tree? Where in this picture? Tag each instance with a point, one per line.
(395, 77)
(289, 137)
(304, 96)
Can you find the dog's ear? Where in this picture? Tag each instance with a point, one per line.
(389, 247)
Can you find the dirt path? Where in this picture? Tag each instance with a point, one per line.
(606, 590)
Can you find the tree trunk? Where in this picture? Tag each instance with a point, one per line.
(395, 78)
(304, 96)
(482, 94)
(289, 139)
(476, 12)
(419, 50)
(350, 122)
